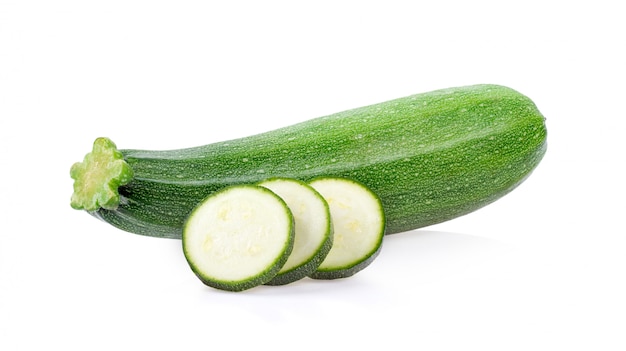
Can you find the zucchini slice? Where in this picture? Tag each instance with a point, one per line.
(239, 237)
(358, 224)
(313, 229)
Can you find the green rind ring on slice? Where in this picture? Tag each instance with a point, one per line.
(313, 228)
(359, 226)
(239, 237)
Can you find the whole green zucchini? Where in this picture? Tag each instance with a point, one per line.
(429, 157)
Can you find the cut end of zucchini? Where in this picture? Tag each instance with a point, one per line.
(97, 178)
(238, 238)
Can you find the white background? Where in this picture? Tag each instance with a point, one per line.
(544, 268)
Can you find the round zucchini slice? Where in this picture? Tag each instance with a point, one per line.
(358, 227)
(313, 232)
(239, 237)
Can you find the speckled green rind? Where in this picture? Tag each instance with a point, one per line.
(430, 157)
(268, 272)
(345, 272)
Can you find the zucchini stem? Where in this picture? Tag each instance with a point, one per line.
(97, 178)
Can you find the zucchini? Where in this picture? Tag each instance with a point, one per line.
(238, 238)
(313, 229)
(429, 157)
(358, 227)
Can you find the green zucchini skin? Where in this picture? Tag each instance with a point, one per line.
(430, 157)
